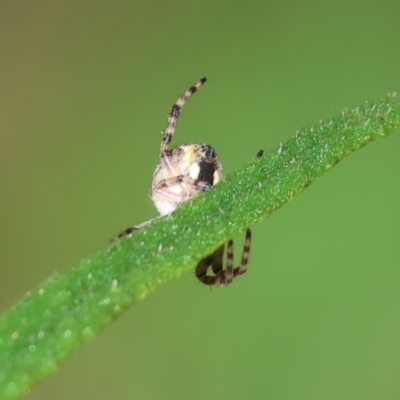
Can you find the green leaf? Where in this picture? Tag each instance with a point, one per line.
(67, 310)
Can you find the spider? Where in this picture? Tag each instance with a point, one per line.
(183, 173)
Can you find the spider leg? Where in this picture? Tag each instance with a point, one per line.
(229, 273)
(217, 263)
(215, 260)
(242, 268)
(202, 268)
(130, 230)
(174, 114)
(166, 161)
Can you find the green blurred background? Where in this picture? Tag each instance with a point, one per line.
(85, 88)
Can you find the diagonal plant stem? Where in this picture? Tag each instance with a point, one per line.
(67, 310)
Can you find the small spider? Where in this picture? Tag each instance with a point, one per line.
(184, 172)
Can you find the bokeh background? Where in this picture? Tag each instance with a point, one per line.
(85, 88)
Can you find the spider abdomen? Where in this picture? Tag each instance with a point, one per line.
(182, 174)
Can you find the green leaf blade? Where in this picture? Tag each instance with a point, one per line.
(69, 309)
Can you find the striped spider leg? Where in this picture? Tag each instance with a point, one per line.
(215, 260)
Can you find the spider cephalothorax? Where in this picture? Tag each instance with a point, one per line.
(183, 173)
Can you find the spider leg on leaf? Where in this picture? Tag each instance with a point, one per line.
(215, 260)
